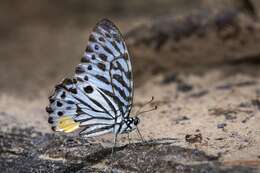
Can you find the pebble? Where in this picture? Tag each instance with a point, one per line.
(221, 125)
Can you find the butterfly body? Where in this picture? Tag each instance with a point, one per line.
(98, 99)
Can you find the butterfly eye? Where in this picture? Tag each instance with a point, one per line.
(136, 121)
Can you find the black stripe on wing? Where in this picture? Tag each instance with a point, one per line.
(106, 62)
(97, 130)
(96, 103)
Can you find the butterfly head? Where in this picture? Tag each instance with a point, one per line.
(136, 121)
(131, 124)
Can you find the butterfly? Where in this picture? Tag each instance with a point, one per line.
(99, 98)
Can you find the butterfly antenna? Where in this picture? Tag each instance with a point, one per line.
(150, 101)
(154, 108)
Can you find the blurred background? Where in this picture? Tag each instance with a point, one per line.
(42, 41)
(200, 59)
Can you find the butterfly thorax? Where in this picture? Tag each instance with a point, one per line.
(127, 125)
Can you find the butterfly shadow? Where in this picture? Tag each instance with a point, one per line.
(105, 153)
(95, 158)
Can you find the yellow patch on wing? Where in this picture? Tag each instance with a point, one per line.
(67, 124)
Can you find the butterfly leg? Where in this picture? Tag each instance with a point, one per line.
(139, 134)
(129, 140)
(114, 146)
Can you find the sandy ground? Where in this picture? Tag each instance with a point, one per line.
(223, 110)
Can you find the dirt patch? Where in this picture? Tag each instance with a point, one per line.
(32, 151)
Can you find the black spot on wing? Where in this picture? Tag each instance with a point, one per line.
(51, 99)
(86, 78)
(101, 66)
(101, 39)
(49, 110)
(89, 49)
(79, 111)
(74, 81)
(88, 89)
(67, 81)
(71, 102)
(80, 79)
(96, 47)
(66, 84)
(79, 70)
(103, 57)
(85, 60)
(92, 38)
(108, 35)
(89, 67)
(50, 120)
(73, 90)
(59, 104)
(60, 113)
(63, 95)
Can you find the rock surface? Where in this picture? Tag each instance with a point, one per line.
(29, 151)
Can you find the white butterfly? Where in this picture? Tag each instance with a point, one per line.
(99, 97)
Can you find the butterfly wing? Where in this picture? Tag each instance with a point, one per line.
(101, 91)
(106, 64)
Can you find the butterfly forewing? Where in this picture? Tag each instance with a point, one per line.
(101, 91)
(107, 66)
